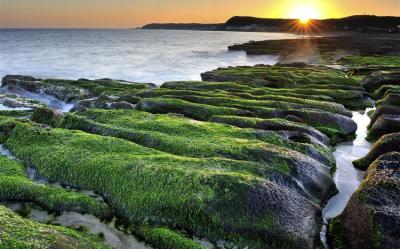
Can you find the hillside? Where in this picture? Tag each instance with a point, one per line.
(247, 23)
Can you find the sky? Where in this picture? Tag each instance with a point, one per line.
(135, 13)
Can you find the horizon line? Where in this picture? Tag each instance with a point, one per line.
(155, 22)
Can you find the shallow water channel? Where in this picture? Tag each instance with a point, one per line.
(347, 178)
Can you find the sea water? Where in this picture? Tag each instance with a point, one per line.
(153, 56)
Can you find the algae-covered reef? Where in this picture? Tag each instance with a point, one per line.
(297, 79)
(371, 218)
(242, 159)
(324, 50)
(17, 232)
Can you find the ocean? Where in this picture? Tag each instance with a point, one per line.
(154, 56)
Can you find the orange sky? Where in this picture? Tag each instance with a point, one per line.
(133, 13)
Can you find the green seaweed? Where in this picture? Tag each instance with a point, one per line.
(17, 232)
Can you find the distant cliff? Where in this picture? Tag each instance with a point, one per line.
(184, 26)
(247, 23)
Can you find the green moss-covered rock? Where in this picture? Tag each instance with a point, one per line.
(291, 153)
(384, 90)
(337, 127)
(229, 99)
(371, 61)
(213, 198)
(296, 79)
(17, 232)
(383, 110)
(374, 82)
(16, 113)
(280, 76)
(390, 99)
(68, 90)
(385, 124)
(356, 99)
(192, 110)
(232, 88)
(165, 238)
(271, 124)
(387, 143)
(15, 186)
(371, 218)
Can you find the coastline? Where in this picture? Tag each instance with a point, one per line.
(242, 158)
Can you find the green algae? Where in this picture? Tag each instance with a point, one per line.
(371, 61)
(285, 76)
(17, 232)
(387, 143)
(162, 237)
(15, 186)
(326, 121)
(102, 86)
(274, 103)
(226, 99)
(351, 98)
(367, 221)
(143, 184)
(16, 113)
(192, 110)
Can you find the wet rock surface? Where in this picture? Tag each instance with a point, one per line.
(372, 217)
(10, 101)
(319, 49)
(387, 143)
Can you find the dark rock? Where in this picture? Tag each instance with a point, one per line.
(385, 124)
(372, 83)
(79, 108)
(384, 90)
(390, 99)
(47, 116)
(384, 110)
(59, 91)
(387, 143)
(103, 101)
(9, 79)
(16, 101)
(122, 105)
(129, 98)
(371, 219)
(294, 118)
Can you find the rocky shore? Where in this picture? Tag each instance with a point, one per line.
(372, 217)
(242, 159)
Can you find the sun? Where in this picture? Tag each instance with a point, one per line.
(304, 13)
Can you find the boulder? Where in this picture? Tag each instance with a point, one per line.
(16, 101)
(371, 219)
(60, 91)
(390, 99)
(10, 79)
(122, 105)
(382, 110)
(373, 83)
(129, 98)
(387, 143)
(385, 124)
